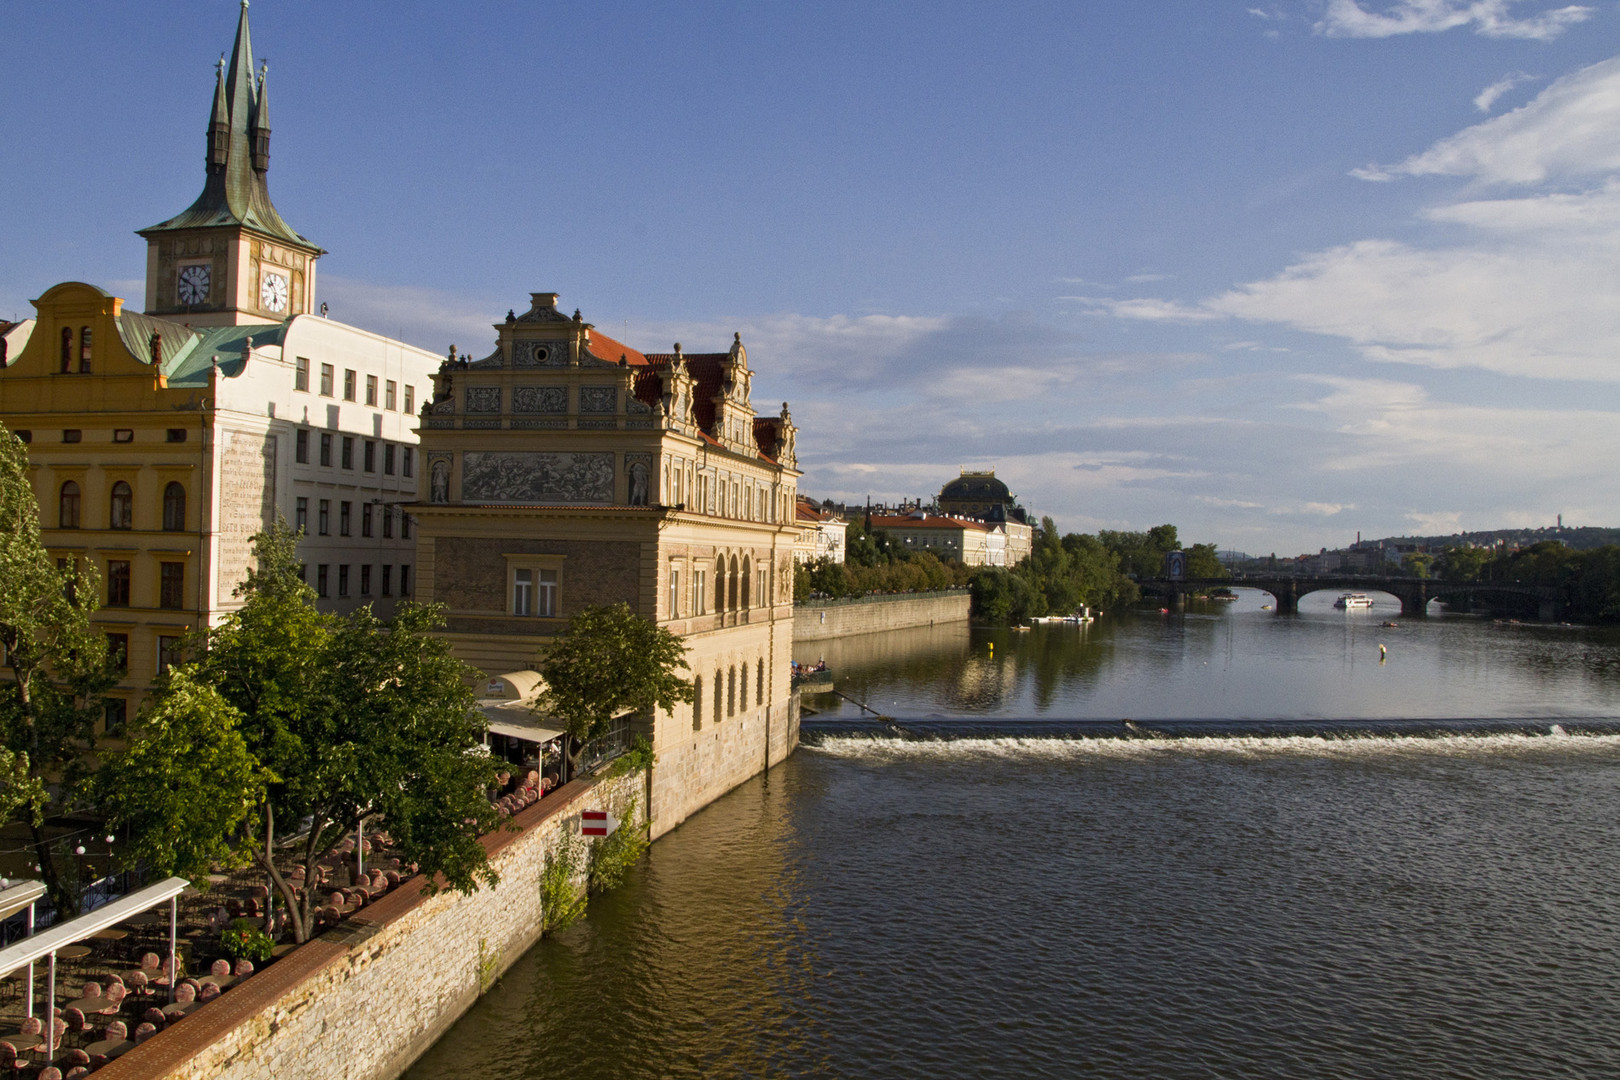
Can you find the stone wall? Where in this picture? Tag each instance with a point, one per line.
(363, 1001)
(870, 614)
(693, 772)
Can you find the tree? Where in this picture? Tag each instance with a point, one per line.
(1417, 563)
(59, 669)
(186, 787)
(608, 662)
(1203, 563)
(355, 717)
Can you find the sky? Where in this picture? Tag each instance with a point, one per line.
(1276, 271)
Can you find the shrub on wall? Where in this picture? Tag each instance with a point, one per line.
(562, 900)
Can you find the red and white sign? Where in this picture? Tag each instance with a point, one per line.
(597, 823)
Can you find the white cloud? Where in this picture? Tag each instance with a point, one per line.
(1568, 131)
(1437, 523)
(1142, 279)
(1325, 509)
(1492, 18)
(1152, 310)
(1488, 97)
(427, 318)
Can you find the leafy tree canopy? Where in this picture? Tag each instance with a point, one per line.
(611, 661)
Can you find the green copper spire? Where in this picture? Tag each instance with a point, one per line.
(235, 191)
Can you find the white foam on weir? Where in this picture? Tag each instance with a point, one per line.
(1229, 746)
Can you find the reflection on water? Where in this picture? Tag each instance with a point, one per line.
(1286, 895)
(1232, 661)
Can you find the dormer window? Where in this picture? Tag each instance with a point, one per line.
(84, 350)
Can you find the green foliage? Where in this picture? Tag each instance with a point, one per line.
(245, 941)
(59, 669)
(916, 571)
(562, 900)
(1141, 554)
(614, 855)
(1203, 563)
(186, 785)
(1060, 575)
(1461, 563)
(1417, 563)
(611, 661)
(355, 717)
(638, 758)
(489, 964)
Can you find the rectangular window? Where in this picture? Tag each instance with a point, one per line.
(698, 592)
(303, 573)
(388, 579)
(410, 399)
(72, 435)
(343, 517)
(326, 449)
(114, 715)
(168, 653)
(301, 515)
(24, 434)
(301, 374)
(365, 580)
(118, 652)
(324, 523)
(674, 592)
(388, 459)
(348, 451)
(320, 580)
(545, 593)
(406, 462)
(523, 592)
(391, 395)
(301, 446)
(348, 384)
(343, 580)
(404, 526)
(172, 585)
(371, 390)
(365, 519)
(326, 380)
(123, 434)
(388, 522)
(118, 583)
(369, 456)
(175, 434)
(404, 579)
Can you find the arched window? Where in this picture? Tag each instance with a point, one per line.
(759, 683)
(84, 350)
(122, 510)
(742, 686)
(719, 695)
(720, 585)
(174, 507)
(734, 583)
(731, 692)
(67, 507)
(747, 584)
(697, 703)
(67, 349)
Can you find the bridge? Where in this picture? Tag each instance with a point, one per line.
(1543, 602)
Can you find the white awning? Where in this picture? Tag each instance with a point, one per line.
(16, 897)
(53, 938)
(508, 707)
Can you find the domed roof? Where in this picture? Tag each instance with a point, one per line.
(980, 486)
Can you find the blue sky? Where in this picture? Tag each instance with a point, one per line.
(1276, 272)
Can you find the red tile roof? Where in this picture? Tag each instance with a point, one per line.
(605, 348)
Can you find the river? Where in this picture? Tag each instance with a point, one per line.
(1299, 862)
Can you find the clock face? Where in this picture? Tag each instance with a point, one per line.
(273, 293)
(193, 284)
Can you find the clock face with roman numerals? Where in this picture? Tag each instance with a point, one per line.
(193, 284)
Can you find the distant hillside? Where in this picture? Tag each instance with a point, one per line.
(1583, 538)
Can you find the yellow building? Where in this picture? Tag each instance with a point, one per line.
(970, 542)
(565, 470)
(160, 442)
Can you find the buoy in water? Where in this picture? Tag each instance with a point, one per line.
(1383, 653)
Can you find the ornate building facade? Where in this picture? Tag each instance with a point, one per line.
(565, 470)
(161, 442)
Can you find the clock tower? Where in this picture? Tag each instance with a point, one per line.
(229, 259)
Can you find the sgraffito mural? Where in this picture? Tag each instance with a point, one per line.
(536, 477)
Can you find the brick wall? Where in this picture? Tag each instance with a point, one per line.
(874, 613)
(365, 1000)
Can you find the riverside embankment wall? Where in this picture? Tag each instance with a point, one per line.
(869, 614)
(363, 1001)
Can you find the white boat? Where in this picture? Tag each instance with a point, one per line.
(1353, 601)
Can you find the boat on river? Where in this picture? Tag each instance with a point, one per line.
(1353, 601)
(813, 680)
